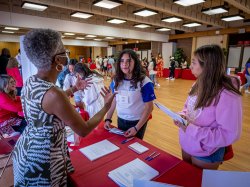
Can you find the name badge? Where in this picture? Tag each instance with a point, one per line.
(123, 99)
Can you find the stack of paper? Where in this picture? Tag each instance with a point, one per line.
(138, 148)
(136, 169)
(116, 131)
(99, 149)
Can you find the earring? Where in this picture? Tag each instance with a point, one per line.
(59, 67)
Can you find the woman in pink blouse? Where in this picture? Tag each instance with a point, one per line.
(213, 110)
(11, 113)
(12, 70)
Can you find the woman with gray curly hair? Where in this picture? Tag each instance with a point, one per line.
(41, 154)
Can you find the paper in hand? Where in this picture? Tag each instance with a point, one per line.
(116, 131)
(170, 113)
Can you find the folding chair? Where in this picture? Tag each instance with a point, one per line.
(6, 147)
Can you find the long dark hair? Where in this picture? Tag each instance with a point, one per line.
(213, 77)
(84, 70)
(138, 73)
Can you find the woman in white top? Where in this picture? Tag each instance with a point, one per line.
(91, 96)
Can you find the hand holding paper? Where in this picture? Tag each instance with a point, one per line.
(170, 113)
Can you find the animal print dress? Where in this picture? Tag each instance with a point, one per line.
(41, 156)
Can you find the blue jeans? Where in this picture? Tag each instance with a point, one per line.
(217, 156)
(246, 86)
(126, 124)
(152, 78)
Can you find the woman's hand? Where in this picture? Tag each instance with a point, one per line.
(130, 132)
(82, 84)
(107, 125)
(180, 125)
(108, 96)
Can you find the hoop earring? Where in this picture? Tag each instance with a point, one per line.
(59, 67)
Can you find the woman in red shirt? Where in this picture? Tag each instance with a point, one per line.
(11, 113)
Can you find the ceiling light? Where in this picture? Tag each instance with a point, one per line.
(109, 4)
(11, 28)
(109, 38)
(10, 32)
(232, 18)
(81, 15)
(188, 2)
(171, 19)
(80, 38)
(163, 29)
(191, 24)
(142, 26)
(34, 6)
(98, 39)
(90, 36)
(116, 21)
(214, 10)
(145, 12)
(69, 34)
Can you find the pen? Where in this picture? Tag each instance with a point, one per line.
(154, 157)
(125, 141)
(149, 156)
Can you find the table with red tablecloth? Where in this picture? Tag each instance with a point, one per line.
(177, 72)
(95, 173)
(187, 74)
(242, 77)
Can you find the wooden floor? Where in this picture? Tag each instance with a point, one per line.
(162, 133)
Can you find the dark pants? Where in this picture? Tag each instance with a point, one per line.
(125, 125)
(19, 89)
(172, 72)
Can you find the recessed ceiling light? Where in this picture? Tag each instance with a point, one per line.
(188, 2)
(194, 24)
(116, 21)
(214, 10)
(109, 38)
(145, 12)
(109, 4)
(69, 34)
(11, 28)
(171, 19)
(34, 6)
(81, 15)
(98, 39)
(80, 38)
(232, 18)
(90, 36)
(142, 26)
(163, 29)
(9, 32)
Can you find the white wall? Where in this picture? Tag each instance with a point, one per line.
(167, 51)
(206, 40)
(111, 51)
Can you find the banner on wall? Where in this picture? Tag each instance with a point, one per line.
(28, 69)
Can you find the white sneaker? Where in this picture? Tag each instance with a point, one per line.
(246, 91)
(158, 85)
(167, 78)
(172, 79)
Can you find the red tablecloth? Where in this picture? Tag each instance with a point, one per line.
(7, 144)
(95, 173)
(177, 72)
(242, 77)
(187, 74)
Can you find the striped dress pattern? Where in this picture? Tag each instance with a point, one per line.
(41, 156)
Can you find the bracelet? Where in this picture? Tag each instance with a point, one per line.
(109, 120)
(135, 129)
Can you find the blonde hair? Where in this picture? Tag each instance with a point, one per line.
(12, 63)
(4, 82)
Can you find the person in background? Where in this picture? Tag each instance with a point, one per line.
(91, 97)
(61, 76)
(159, 66)
(105, 66)
(152, 72)
(18, 58)
(70, 80)
(171, 69)
(213, 110)
(134, 101)
(247, 75)
(41, 155)
(12, 70)
(11, 114)
(4, 58)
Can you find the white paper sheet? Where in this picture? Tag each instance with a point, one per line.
(116, 131)
(99, 149)
(138, 148)
(217, 178)
(146, 183)
(170, 113)
(136, 169)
